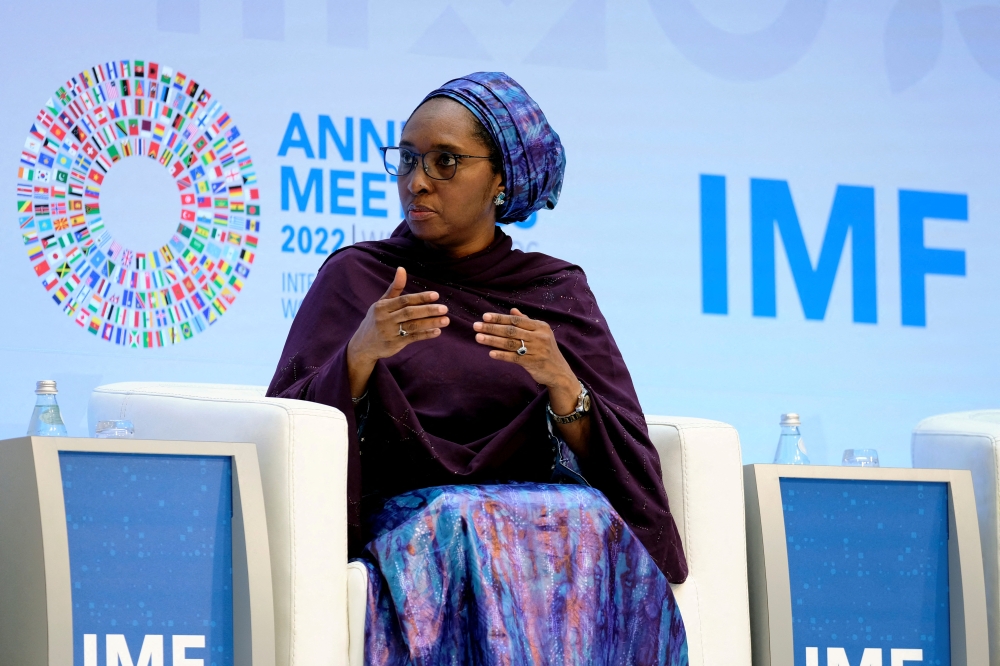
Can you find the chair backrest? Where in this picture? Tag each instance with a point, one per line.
(302, 448)
(970, 440)
(703, 475)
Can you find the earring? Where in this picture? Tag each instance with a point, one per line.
(499, 199)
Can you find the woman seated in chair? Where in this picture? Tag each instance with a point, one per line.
(503, 491)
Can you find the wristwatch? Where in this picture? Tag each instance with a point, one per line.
(582, 408)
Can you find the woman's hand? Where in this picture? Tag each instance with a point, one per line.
(543, 361)
(379, 334)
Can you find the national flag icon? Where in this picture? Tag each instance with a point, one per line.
(204, 202)
(90, 150)
(45, 118)
(96, 177)
(63, 270)
(92, 208)
(187, 199)
(253, 225)
(60, 224)
(25, 174)
(251, 241)
(41, 268)
(62, 176)
(247, 256)
(177, 169)
(24, 207)
(45, 160)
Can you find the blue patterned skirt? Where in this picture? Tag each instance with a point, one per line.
(512, 575)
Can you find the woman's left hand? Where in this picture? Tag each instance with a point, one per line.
(543, 360)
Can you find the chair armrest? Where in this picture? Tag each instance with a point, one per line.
(703, 475)
(302, 448)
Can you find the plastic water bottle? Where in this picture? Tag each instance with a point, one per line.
(46, 421)
(791, 449)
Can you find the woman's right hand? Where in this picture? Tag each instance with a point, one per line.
(379, 335)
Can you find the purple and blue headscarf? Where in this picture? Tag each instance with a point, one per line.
(533, 157)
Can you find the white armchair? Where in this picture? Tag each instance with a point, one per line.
(320, 598)
(971, 440)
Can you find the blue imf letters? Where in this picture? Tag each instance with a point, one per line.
(853, 210)
(150, 548)
(868, 568)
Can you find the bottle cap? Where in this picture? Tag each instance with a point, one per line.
(45, 387)
(790, 419)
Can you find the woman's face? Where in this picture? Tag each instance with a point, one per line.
(456, 215)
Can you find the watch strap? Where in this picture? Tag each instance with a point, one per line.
(582, 408)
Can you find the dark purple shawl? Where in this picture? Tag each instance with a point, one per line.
(443, 412)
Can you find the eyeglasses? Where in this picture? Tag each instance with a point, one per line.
(438, 164)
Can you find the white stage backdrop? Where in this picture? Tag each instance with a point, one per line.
(784, 205)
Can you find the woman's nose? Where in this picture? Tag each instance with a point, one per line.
(419, 181)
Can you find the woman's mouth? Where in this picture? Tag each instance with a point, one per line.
(419, 213)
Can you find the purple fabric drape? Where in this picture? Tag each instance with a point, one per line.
(442, 412)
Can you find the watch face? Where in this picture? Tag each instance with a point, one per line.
(586, 403)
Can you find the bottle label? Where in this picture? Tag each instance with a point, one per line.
(50, 417)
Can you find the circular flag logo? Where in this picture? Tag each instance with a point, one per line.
(99, 120)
